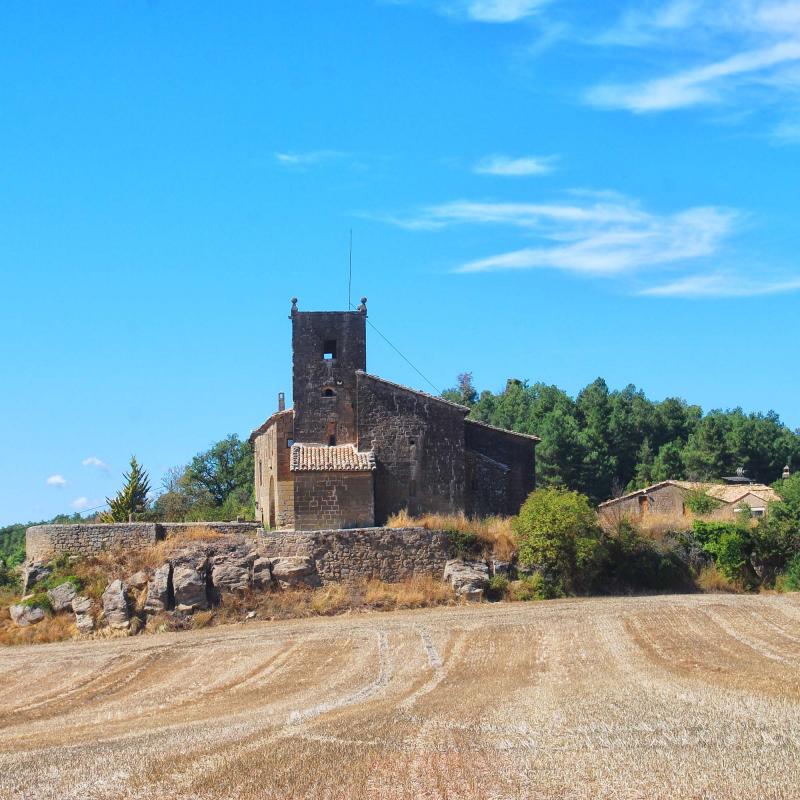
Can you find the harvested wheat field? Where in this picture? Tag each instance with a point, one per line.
(661, 697)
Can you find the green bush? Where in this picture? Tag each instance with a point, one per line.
(57, 578)
(8, 578)
(789, 581)
(39, 600)
(498, 587)
(560, 538)
(698, 502)
(731, 545)
(463, 542)
(636, 563)
(534, 587)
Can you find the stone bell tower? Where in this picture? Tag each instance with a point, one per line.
(328, 347)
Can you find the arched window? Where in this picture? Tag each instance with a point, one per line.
(328, 393)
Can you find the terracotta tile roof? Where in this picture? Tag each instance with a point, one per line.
(732, 494)
(719, 491)
(338, 458)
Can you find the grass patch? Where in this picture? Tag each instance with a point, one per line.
(711, 580)
(490, 534)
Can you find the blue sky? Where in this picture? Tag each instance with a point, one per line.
(545, 190)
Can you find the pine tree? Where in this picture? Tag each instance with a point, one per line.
(131, 498)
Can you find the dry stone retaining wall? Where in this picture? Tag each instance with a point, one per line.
(390, 554)
(45, 541)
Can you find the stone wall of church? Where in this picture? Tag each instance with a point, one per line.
(419, 448)
(333, 500)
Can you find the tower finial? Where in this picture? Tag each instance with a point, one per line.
(294, 307)
(363, 307)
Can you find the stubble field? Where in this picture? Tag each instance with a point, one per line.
(662, 697)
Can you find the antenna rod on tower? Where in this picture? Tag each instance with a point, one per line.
(350, 274)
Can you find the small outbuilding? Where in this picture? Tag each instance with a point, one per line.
(669, 498)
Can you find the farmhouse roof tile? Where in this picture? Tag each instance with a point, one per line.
(725, 493)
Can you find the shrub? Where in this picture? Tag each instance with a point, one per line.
(498, 587)
(789, 581)
(710, 579)
(464, 542)
(698, 502)
(534, 587)
(57, 578)
(8, 578)
(636, 563)
(493, 534)
(39, 600)
(559, 535)
(731, 546)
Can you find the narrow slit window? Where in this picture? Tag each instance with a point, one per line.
(331, 433)
(329, 350)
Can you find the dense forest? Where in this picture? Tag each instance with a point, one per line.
(604, 442)
(600, 443)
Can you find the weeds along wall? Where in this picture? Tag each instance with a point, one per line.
(45, 541)
(389, 554)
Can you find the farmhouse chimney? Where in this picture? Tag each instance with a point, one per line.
(281, 401)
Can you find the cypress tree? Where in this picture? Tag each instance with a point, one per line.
(132, 497)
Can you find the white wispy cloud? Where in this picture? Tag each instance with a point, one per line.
(705, 84)
(499, 11)
(83, 503)
(308, 158)
(95, 463)
(608, 235)
(743, 53)
(56, 480)
(508, 166)
(721, 285)
(603, 235)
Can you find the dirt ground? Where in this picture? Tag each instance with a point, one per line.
(662, 697)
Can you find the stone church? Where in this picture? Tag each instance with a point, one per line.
(357, 448)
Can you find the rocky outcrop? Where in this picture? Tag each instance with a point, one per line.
(158, 590)
(62, 596)
(32, 573)
(262, 573)
(502, 568)
(469, 578)
(138, 580)
(295, 571)
(231, 567)
(115, 606)
(189, 585)
(82, 606)
(23, 615)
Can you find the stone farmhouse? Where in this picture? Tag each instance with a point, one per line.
(669, 498)
(357, 448)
